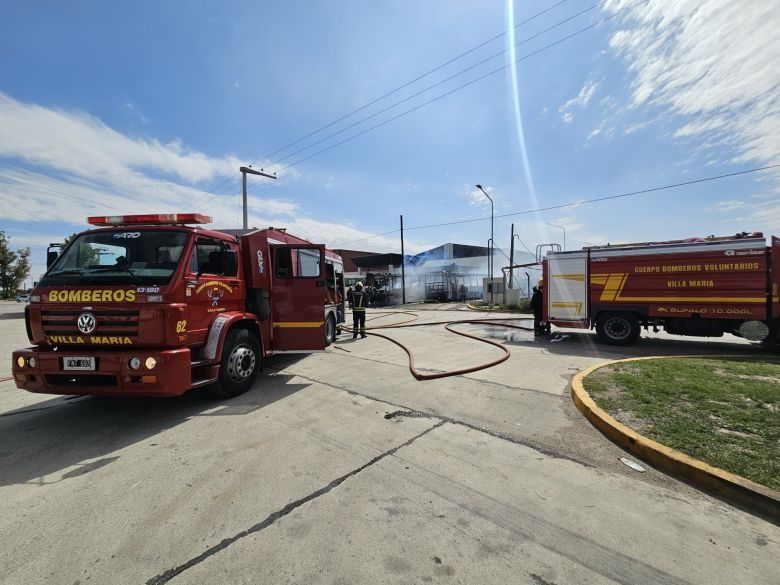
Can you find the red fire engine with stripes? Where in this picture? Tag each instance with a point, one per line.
(154, 305)
(701, 287)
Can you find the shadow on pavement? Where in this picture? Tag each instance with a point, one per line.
(585, 345)
(60, 434)
(8, 316)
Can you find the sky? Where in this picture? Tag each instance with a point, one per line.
(109, 108)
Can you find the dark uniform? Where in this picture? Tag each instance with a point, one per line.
(537, 303)
(359, 302)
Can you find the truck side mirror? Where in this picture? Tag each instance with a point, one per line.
(230, 262)
(51, 257)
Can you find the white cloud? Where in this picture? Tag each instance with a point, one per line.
(581, 101)
(476, 197)
(727, 206)
(273, 207)
(64, 166)
(754, 214)
(603, 129)
(130, 106)
(709, 66)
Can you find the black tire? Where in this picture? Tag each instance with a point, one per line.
(239, 366)
(617, 328)
(771, 343)
(330, 330)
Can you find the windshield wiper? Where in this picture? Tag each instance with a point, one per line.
(66, 272)
(115, 269)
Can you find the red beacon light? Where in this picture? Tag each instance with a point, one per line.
(149, 219)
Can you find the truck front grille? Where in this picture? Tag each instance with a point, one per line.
(116, 322)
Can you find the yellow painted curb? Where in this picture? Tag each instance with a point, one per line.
(728, 486)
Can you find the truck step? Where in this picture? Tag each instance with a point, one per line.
(205, 382)
(199, 363)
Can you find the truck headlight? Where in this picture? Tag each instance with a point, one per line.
(20, 361)
(150, 363)
(31, 362)
(135, 363)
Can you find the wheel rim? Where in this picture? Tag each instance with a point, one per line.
(329, 331)
(241, 363)
(617, 328)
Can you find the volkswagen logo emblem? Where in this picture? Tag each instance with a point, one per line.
(86, 323)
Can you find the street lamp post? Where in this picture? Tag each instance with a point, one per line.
(492, 242)
(560, 227)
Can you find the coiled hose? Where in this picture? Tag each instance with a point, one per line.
(448, 326)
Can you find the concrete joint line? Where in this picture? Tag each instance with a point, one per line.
(414, 413)
(166, 576)
(735, 489)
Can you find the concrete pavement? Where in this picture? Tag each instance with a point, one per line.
(341, 468)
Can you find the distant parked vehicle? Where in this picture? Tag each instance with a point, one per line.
(22, 298)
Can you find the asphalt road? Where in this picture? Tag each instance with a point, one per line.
(341, 468)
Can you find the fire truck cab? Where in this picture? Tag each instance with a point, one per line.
(154, 305)
(698, 287)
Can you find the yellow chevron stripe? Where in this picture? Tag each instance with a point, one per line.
(576, 306)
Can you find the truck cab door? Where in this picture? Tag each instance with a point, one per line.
(298, 297)
(213, 286)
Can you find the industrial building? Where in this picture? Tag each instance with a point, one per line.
(450, 272)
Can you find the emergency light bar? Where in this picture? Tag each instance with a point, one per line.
(151, 219)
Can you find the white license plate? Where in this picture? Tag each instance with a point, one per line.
(78, 363)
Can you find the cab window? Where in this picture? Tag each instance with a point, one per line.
(208, 258)
(297, 263)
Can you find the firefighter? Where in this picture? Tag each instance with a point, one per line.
(537, 302)
(359, 302)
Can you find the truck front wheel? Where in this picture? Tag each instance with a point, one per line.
(617, 328)
(241, 357)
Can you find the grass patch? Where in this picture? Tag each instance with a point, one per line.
(725, 412)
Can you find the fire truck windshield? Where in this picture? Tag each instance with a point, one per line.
(147, 257)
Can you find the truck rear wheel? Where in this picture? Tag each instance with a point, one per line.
(240, 364)
(772, 343)
(617, 328)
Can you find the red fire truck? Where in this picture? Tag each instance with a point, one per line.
(701, 287)
(154, 305)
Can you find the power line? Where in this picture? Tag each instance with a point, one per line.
(619, 196)
(585, 201)
(463, 86)
(408, 83)
(364, 239)
(209, 195)
(430, 87)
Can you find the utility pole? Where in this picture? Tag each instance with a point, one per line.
(511, 254)
(403, 263)
(251, 171)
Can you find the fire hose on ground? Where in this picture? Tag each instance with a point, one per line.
(448, 325)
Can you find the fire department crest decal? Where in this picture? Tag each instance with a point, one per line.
(215, 294)
(86, 323)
